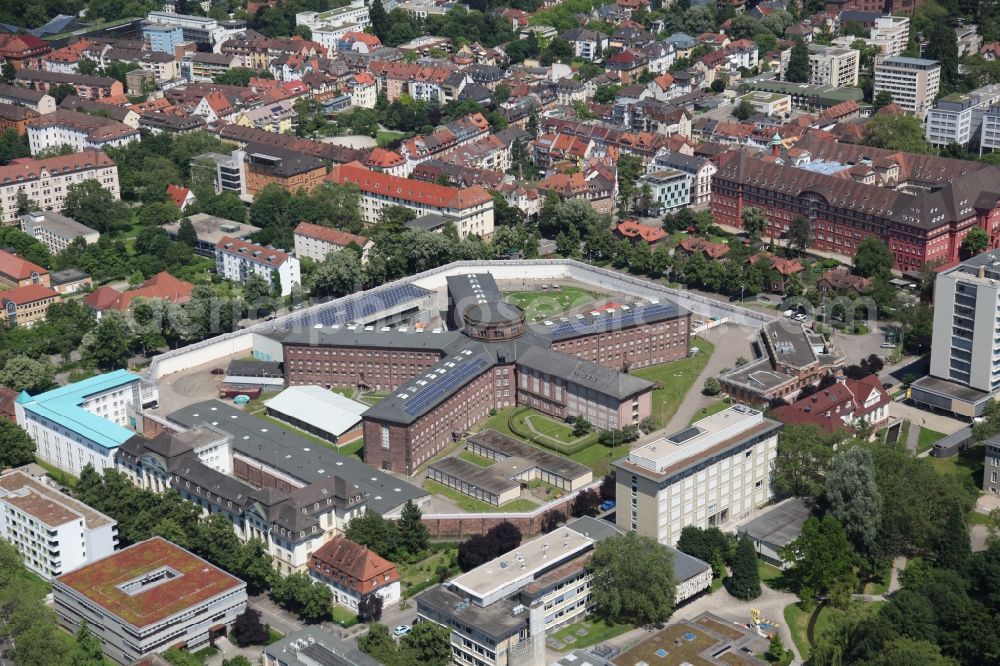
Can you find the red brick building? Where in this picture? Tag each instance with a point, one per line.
(921, 206)
(444, 383)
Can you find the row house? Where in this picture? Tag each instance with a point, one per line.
(36, 100)
(326, 152)
(488, 153)
(89, 87)
(443, 140)
(123, 114)
(363, 89)
(457, 174)
(549, 149)
(398, 78)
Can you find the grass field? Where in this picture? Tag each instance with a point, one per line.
(476, 459)
(967, 466)
(770, 575)
(704, 412)
(599, 457)
(343, 617)
(420, 575)
(473, 505)
(57, 475)
(597, 632)
(926, 439)
(543, 304)
(675, 379)
(797, 622)
(881, 586)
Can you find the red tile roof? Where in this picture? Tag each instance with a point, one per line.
(413, 191)
(633, 229)
(163, 286)
(29, 169)
(252, 251)
(102, 298)
(384, 158)
(7, 399)
(31, 293)
(16, 268)
(177, 194)
(197, 582)
(329, 234)
(713, 250)
(828, 407)
(353, 565)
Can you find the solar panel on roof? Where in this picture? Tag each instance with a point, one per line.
(648, 313)
(684, 435)
(444, 386)
(358, 308)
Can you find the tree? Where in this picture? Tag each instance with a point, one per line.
(704, 543)
(22, 373)
(745, 582)
(942, 45)
(800, 234)
(896, 132)
(159, 213)
(248, 629)
(551, 519)
(257, 295)
(776, 653)
(804, 454)
(377, 642)
(378, 534)
(370, 608)
(852, 494)
(975, 242)
(585, 504)
(88, 647)
(743, 110)
(16, 446)
(428, 643)
(110, 343)
(89, 203)
(337, 275)
(712, 386)
(413, 533)
(238, 660)
(883, 98)
(617, 564)
(186, 233)
(873, 259)
(754, 223)
(581, 426)
(240, 76)
(798, 63)
(505, 536)
(608, 487)
(823, 557)
(952, 547)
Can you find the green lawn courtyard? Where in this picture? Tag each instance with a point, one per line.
(476, 459)
(542, 304)
(675, 379)
(585, 633)
(926, 439)
(472, 505)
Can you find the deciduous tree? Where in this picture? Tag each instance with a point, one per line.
(617, 564)
(854, 499)
(16, 446)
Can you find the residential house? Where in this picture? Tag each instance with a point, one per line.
(587, 44)
(45, 181)
(263, 165)
(317, 242)
(841, 281)
(24, 306)
(88, 87)
(352, 571)
(636, 232)
(628, 64)
(162, 286)
(237, 260)
(845, 405)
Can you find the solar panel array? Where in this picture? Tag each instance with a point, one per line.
(360, 308)
(443, 386)
(608, 322)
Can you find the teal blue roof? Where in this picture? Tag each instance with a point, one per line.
(63, 406)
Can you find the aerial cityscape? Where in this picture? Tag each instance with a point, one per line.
(500, 333)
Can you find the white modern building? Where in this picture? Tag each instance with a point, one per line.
(699, 169)
(329, 26)
(833, 66)
(891, 34)
(500, 612)
(54, 533)
(195, 28)
(148, 598)
(716, 470)
(912, 82)
(670, 188)
(84, 423)
(237, 260)
(56, 231)
(958, 118)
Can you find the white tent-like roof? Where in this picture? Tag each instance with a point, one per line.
(319, 407)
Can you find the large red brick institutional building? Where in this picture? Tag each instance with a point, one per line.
(921, 206)
(441, 384)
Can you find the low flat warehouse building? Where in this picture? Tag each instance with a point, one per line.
(545, 466)
(331, 416)
(148, 598)
(716, 470)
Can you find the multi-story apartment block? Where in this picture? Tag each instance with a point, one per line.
(278, 117)
(443, 140)
(206, 66)
(965, 357)
(193, 28)
(500, 612)
(671, 189)
(699, 169)
(88, 87)
(471, 209)
(237, 260)
(46, 181)
(80, 131)
(54, 533)
(25, 306)
(148, 598)
(316, 241)
(768, 103)
(891, 34)
(330, 26)
(228, 170)
(958, 118)
(716, 470)
(37, 101)
(15, 117)
(587, 44)
(56, 231)
(263, 165)
(833, 66)
(163, 38)
(912, 82)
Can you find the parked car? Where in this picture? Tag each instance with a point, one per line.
(607, 505)
(888, 345)
(218, 371)
(401, 630)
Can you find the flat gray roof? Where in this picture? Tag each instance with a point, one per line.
(296, 456)
(779, 525)
(496, 620)
(485, 478)
(209, 228)
(951, 390)
(590, 375)
(57, 223)
(320, 647)
(545, 460)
